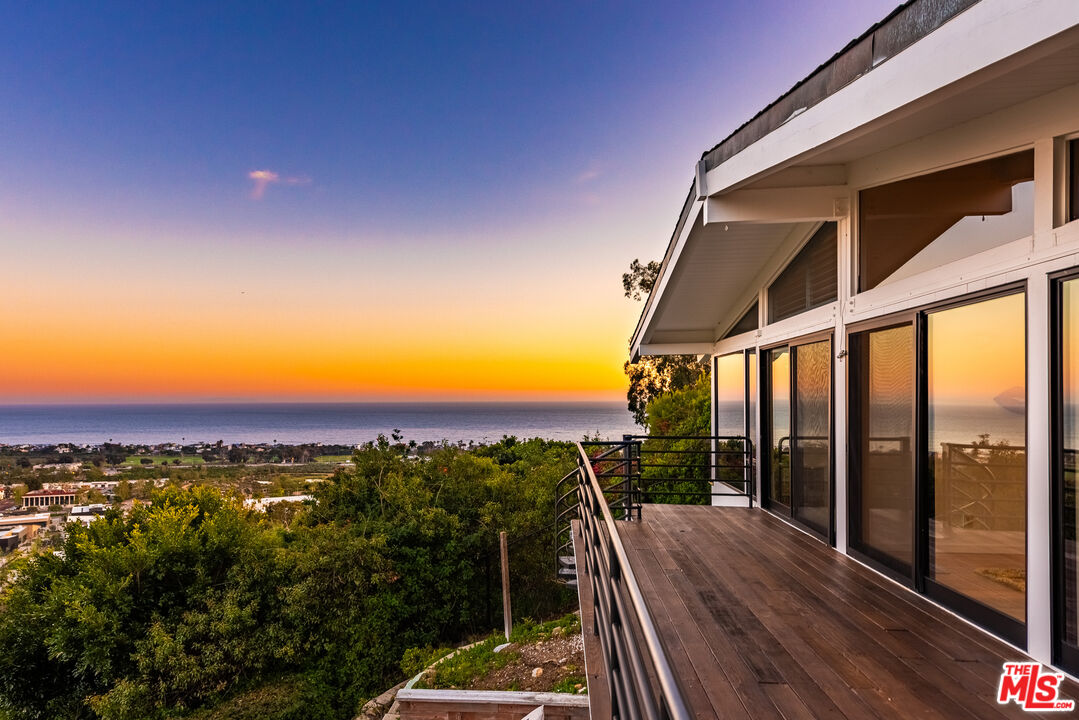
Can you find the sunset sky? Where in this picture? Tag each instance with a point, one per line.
(359, 201)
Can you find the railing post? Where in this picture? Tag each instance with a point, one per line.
(638, 477)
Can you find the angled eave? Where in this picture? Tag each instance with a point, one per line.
(755, 201)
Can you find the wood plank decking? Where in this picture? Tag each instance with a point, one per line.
(762, 621)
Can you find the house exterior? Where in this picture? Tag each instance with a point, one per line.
(883, 266)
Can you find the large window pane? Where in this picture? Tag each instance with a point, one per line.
(977, 446)
(731, 394)
(1069, 346)
(751, 410)
(914, 225)
(885, 433)
(780, 426)
(751, 380)
(731, 418)
(812, 438)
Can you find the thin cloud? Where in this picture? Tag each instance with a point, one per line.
(264, 178)
(590, 174)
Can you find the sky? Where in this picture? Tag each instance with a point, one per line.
(359, 201)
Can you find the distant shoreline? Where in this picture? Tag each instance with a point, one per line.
(300, 423)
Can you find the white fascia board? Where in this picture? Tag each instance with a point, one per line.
(669, 263)
(984, 34)
(686, 348)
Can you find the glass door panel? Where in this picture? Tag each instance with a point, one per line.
(1068, 442)
(882, 417)
(976, 375)
(811, 463)
(730, 421)
(779, 464)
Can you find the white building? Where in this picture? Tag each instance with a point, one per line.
(884, 267)
(261, 504)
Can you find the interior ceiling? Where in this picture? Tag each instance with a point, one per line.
(717, 267)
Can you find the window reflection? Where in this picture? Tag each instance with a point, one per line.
(917, 224)
(977, 446)
(780, 414)
(731, 419)
(812, 457)
(1069, 346)
(730, 394)
(885, 419)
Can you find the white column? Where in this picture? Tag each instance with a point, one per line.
(1039, 494)
(839, 379)
(1039, 503)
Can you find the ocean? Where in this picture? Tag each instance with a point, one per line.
(335, 423)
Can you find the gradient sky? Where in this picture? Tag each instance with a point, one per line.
(358, 201)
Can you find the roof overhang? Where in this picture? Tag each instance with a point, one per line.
(747, 215)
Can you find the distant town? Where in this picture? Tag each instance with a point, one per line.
(43, 487)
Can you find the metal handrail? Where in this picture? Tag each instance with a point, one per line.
(612, 580)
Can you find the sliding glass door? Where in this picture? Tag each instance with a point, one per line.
(937, 454)
(976, 464)
(1066, 450)
(882, 414)
(799, 426)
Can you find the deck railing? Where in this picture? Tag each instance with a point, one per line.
(672, 469)
(613, 481)
(642, 682)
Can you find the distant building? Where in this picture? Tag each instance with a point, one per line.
(47, 498)
(10, 538)
(40, 520)
(86, 514)
(261, 504)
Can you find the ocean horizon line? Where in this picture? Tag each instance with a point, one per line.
(194, 403)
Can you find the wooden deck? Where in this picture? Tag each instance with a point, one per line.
(762, 621)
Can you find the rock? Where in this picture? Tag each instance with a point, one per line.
(558, 631)
(537, 672)
(377, 707)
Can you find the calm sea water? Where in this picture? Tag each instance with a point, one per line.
(337, 423)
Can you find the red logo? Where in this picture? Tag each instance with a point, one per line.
(1031, 688)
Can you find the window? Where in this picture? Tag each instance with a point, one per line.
(745, 323)
(914, 225)
(735, 415)
(810, 280)
(730, 395)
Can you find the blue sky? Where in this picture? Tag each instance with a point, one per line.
(448, 155)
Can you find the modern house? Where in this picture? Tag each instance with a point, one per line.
(883, 266)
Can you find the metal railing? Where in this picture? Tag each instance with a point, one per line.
(642, 682)
(672, 469)
(692, 469)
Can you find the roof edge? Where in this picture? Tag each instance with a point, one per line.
(908, 23)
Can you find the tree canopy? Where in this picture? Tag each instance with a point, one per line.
(191, 600)
(652, 376)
